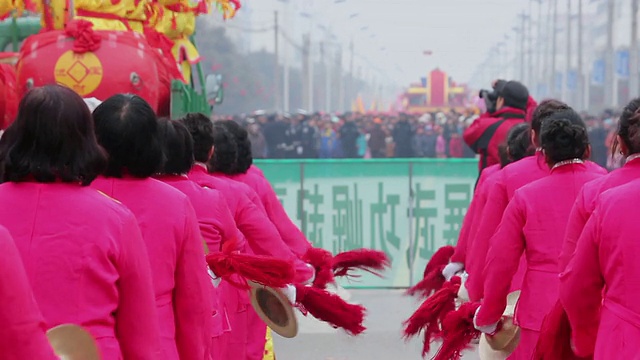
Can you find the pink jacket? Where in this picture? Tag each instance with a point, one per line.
(216, 226)
(289, 232)
(511, 178)
(464, 240)
(261, 234)
(599, 286)
(533, 224)
(82, 254)
(586, 203)
(174, 245)
(473, 262)
(22, 335)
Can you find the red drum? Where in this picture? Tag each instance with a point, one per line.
(123, 62)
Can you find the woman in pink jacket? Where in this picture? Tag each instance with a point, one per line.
(248, 331)
(127, 128)
(289, 232)
(82, 251)
(533, 225)
(510, 179)
(628, 127)
(516, 147)
(22, 335)
(215, 219)
(598, 286)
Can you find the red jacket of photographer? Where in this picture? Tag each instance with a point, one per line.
(490, 130)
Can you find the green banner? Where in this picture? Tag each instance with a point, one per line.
(405, 207)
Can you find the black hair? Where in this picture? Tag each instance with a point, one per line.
(177, 146)
(544, 110)
(503, 155)
(240, 135)
(519, 142)
(564, 136)
(126, 126)
(225, 153)
(201, 130)
(52, 139)
(629, 127)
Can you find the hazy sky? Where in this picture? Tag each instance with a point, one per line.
(459, 32)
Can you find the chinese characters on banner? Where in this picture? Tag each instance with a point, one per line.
(350, 212)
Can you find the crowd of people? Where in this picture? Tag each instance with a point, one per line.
(352, 135)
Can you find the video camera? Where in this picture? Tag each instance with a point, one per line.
(491, 96)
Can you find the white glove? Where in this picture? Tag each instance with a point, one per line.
(487, 329)
(214, 279)
(451, 269)
(313, 277)
(290, 292)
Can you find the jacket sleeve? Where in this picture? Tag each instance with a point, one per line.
(290, 233)
(460, 253)
(496, 204)
(264, 239)
(581, 289)
(577, 220)
(136, 320)
(22, 335)
(192, 293)
(474, 132)
(503, 258)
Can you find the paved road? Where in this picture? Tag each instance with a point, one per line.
(382, 340)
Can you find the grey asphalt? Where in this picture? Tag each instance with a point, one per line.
(382, 340)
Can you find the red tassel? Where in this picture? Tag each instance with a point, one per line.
(331, 308)
(457, 332)
(322, 262)
(432, 312)
(431, 283)
(433, 279)
(263, 270)
(439, 259)
(363, 259)
(554, 342)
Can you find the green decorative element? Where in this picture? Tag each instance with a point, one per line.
(186, 99)
(314, 217)
(347, 222)
(456, 202)
(353, 203)
(379, 211)
(13, 30)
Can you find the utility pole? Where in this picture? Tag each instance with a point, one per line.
(582, 102)
(634, 87)
(567, 92)
(530, 82)
(276, 66)
(554, 46)
(523, 18)
(306, 81)
(539, 51)
(339, 78)
(610, 88)
(350, 90)
(285, 63)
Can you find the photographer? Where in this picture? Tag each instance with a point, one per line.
(506, 107)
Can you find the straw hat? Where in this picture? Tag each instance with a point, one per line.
(275, 309)
(71, 342)
(504, 343)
